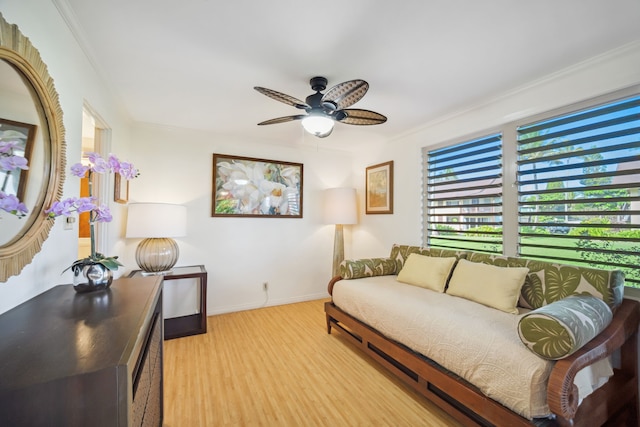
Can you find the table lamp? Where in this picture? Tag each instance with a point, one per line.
(157, 223)
(340, 208)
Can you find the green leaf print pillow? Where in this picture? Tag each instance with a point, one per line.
(559, 329)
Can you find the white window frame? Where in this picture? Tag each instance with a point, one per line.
(509, 165)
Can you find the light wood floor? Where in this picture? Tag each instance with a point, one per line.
(277, 366)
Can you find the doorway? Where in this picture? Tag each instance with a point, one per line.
(94, 139)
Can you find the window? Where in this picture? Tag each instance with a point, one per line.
(464, 195)
(576, 199)
(578, 188)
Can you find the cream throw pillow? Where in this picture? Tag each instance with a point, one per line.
(426, 271)
(490, 285)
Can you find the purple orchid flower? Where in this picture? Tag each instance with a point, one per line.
(92, 156)
(79, 170)
(103, 214)
(10, 163)
(64, 207)
(85, 204)
(89, 204)
(10, 203)
(100, 166)
(114, 163)
(6, 147)
(127, 171)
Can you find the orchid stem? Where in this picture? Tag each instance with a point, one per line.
(91, 220)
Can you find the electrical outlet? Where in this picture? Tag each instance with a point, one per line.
(265, 286)
(68, 223)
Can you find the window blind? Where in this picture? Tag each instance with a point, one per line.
(579, 188)
(464, 195)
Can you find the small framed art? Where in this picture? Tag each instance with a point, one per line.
(120, 189)
(250, 187)
(379, 188)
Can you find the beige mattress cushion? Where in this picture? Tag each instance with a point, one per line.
(476, 342)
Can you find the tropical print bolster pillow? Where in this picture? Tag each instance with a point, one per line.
(367, 267)
(559, 329)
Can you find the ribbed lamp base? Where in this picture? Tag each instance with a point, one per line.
(338, 250)
(157, 255)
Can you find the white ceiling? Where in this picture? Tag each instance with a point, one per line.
(194, 63)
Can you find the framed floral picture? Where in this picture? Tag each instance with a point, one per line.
(250, 187)
(379, 188)
(20, 136)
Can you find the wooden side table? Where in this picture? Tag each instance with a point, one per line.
(192, 324)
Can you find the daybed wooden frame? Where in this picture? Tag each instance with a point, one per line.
(614, 404)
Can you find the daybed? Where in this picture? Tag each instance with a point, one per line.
(496, 340)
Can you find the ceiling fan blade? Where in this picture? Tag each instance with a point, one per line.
(278, 96)
(346, 94)
(283, 119)
(362, 117)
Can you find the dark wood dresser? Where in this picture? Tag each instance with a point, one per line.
(95, 359)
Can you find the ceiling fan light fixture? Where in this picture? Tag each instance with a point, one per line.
(319, 126)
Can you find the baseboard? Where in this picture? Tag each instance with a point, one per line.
(267, 303)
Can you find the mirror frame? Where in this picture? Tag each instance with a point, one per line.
(18, 52)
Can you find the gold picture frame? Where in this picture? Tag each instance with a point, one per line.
(120, 189)
(379, 188)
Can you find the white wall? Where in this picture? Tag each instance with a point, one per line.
(293, 255)
(376, 233)
(76, 82)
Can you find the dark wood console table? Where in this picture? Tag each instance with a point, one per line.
(191, 324)
(94, 359)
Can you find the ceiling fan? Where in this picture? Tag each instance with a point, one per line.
(324, 110)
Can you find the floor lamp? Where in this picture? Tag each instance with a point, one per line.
(157, 223)
(340, 208)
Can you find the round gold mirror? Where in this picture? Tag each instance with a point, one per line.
(29, 105)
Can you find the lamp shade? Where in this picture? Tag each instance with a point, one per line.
(340, 206)
(318, 125)
(156, 220)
